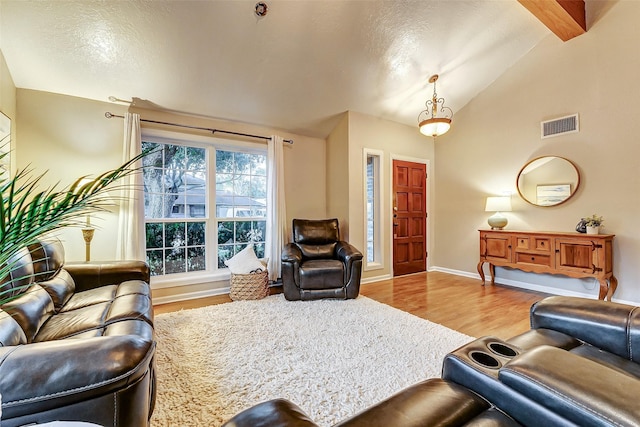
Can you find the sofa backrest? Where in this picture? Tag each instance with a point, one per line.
(316, 238)
(39, 287)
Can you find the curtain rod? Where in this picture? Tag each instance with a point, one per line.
(109, 115)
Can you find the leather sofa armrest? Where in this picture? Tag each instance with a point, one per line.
(607, 325)
(40, 376)
(578, 389)
(272, 413)
(95, 274)
(291, 254)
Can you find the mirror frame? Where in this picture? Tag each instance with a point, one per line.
(573, 192)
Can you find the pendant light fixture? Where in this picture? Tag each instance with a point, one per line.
(429, 122)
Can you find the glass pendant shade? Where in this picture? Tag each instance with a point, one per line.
(434, 127)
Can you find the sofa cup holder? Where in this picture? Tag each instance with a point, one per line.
(502, 350)
(485, 359)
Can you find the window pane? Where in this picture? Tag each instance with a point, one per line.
(155, 261)
(196, 260)
(155, 235)
(224, 253)
(224, 162)
(175, 260)
(259, 249)
(259, 231)
(175, 234)
(195, 233)
(243, 228)
(243, 163)
(225, 232)
(154, 158)
(242, 187)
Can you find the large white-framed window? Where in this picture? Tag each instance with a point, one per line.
(373, 179)
(204, 202)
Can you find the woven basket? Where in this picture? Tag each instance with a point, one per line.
(249, 286)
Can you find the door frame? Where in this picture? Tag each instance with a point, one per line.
(389, 208)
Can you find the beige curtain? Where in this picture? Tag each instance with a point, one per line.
(131, 243)
(276, 207)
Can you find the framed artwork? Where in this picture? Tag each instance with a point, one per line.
(549, 195)
(5, 146)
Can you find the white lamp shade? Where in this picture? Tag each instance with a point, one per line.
(498, 204)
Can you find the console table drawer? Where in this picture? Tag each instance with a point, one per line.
(539, 259)
(542, 244)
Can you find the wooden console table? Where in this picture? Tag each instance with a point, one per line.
(570, 254)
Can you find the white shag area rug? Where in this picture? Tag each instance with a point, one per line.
(331, 358)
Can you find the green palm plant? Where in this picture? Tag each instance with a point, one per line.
(28, 211)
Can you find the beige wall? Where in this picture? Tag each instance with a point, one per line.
(8, 102)
(338, 175)
(69, 137)
(395, 141)
(594, 75)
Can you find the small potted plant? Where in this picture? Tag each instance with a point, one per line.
(593, 223)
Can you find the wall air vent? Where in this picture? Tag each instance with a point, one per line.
(559, 126)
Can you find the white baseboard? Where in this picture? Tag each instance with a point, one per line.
(530, 286)
(518, 284)
(190, 295)
(364, 281)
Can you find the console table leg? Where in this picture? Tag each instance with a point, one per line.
(613, 285)
(492, 270)
(604, 289)
(481, 271)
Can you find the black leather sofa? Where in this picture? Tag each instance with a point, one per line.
(578, 365)
(317, 264)
(76, 343)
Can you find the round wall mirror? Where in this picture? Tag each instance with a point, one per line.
(548, 181)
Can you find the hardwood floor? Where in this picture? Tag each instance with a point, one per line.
(456, 302)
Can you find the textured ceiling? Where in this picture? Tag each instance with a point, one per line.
(295, 69)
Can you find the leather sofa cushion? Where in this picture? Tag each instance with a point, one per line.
(60, 288)
(10, 332)
(20, 277)
(321, 274)
(47, 257)
(31, 310)
(92, 312)
(580, 390)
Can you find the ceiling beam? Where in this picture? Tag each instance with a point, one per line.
(565, 18)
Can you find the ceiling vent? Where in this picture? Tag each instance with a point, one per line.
(559, 126)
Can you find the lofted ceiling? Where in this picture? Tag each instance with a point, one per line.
(296, 69)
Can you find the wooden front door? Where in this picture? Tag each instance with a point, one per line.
(409, 217)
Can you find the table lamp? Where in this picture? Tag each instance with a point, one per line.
(500, 204)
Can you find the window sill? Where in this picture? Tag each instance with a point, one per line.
(186, 279)
(373, 266)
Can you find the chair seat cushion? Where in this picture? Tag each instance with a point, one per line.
(321, 274)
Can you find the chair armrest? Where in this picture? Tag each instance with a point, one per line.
(607, 325)
(272, 413)
(291, 253)
(347, 253)
(40, 376)
(95, 274)
(578, 389)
